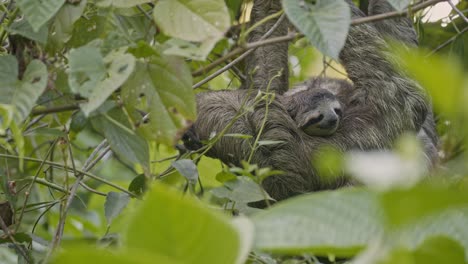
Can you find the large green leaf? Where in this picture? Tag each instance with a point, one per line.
(339, 222)
(115, 203)
(79, 255)
(449, 223)
(184, 229)
(129, 146)
(325, 23)
(421, 201)
(24, 29)
(121, 3)
(66, 17)
(38, 12)
(192, 20)
(241, 190)
(160, 87)
(97, 78)
(22, 94)
(442, 77)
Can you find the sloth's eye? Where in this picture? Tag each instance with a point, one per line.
(338, 111)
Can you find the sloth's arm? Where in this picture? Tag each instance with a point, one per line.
(267, 63)
(384, 102)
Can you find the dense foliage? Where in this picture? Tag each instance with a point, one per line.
(96, 95)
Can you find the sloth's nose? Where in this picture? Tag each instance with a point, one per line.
(331, 122)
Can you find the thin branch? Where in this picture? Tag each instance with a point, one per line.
(61, 225)
(13, 240)
(460, 13)
(144, 12)
(61, 166)
(447, 42)
(411, 9)
(28, 192)
(292, 36)
(57, 109)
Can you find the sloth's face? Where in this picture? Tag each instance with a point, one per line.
(321, 115)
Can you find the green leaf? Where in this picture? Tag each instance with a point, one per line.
(126, 144)
(96, 78)
(434, 250)
(325, 23)
(115, 203)
(22, 94)
(187, 49)
(37, 13)
(23, 28)
(192, 20)
(86, 69)
(121, 3)
(448, 223)
(341, 223)
(138, 185)
(160, 87)
(399, 4)
(241, 190)
(225, 176)
(79, 255)
(19, 238)
(406, 206)
(8, 77)
(64, 20)
(188, 169)
(443, 77)
(181, 228)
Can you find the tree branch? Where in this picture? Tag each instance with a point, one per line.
(56, 109)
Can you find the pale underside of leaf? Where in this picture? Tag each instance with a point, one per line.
(120, 68)
(325, 24)
(37, 12)
(399, 4)
(192, 20)
(162, 88)
(341, 223)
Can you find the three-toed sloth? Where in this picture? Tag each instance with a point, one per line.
(378, 106)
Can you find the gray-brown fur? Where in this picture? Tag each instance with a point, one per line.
(401, 29)
(381, 105)
(259, 70)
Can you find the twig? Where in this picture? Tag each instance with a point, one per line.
(28, 192)
(291, 36)
(89, 164)
(411, 9)
(61, 166)
(57, 109)
(450, 40)
(144, 12)
(98, 148)
(13, 240)
(460, 13)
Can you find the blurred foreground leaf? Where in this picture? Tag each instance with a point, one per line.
(183, 229)
(339, 223)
